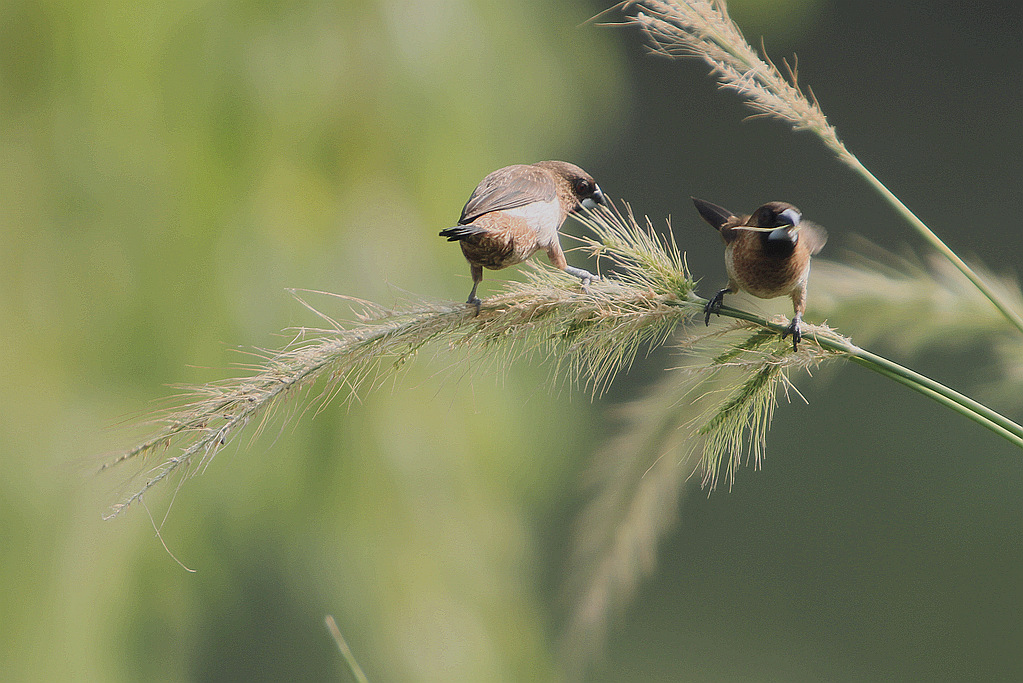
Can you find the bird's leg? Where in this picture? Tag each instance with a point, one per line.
(794, 330)
(798, 306)
(586, 276)
(477, 277)
(557, 257)
(714, 305)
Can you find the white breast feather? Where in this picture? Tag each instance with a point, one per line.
(543, 217)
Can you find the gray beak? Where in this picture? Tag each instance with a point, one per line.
(595, 199)
(791, 216)
(782, 235)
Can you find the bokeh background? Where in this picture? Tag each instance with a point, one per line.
(168, 170)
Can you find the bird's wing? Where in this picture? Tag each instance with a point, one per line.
(812, 236)
(508, 188)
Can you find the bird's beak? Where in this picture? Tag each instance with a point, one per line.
(786, 234)
(791, 216)
(595, 199)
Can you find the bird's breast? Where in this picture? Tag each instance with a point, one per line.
(543, 218)
(761, 273)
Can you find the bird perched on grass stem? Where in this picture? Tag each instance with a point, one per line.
(767, 254)
(518, 210)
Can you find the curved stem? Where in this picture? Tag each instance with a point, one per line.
(1012, 316)
(962, 404)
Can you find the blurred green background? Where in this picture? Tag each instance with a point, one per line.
(167, 170)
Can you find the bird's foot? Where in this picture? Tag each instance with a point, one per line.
(793, 329)
(585, 276)
(714, 305)
(475, 301)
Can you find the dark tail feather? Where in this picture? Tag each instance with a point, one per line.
(712, 213)
(459, 232)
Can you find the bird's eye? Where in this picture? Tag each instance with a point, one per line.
(583, 187)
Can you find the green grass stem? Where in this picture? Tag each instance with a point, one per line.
(703, 29)
(850, 160)
(964, 405)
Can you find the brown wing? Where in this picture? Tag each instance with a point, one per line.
(812, 236)
(508, 188)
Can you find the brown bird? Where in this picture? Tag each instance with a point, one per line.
(766, 254)
(518, 210)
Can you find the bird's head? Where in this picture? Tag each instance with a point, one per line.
(775, 215)
(576, 188)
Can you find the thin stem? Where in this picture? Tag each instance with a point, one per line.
(1012, 316)
(703, 28)
(346, 651)
(947, 397)
(964, 405)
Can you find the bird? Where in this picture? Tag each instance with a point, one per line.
(518, 210)
(767, 254)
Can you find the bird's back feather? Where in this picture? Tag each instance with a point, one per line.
(508, 188)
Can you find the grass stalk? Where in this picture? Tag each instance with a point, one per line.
(346, 652)
(960, 403)
(1003, 307)
(703, 29)
(644, 298)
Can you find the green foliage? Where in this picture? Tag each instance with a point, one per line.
(588, 334)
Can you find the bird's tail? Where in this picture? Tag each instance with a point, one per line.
(460, 232)
(712, 213)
